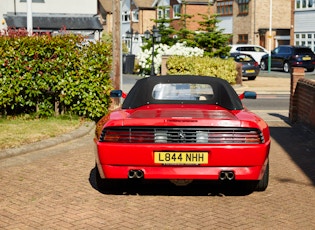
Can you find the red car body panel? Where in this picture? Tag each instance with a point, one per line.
(247, 161)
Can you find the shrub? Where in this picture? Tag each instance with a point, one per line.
(205, 66)
(145, 56)
(52, 75)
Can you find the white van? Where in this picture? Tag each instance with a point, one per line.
(254, 50)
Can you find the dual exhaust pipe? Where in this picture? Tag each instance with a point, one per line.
(135, 174)
(226, 175)
(138, 174)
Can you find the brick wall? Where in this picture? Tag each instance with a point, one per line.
(302, 102)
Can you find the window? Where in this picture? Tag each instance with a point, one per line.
(160, 14)
(242, 38)
(163, 13)
(35, 1)
(176, 11)
(167, 13)
(125, 16)
(304, 4)
(305, 39)
(283, 50)
(182, 91)
(135, 15)
(225, 7)
(243, 6)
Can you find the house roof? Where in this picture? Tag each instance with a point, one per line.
(143, 3)
(107, 5)
(55, 21)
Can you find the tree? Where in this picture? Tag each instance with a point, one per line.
(210, 38)
(185, 35)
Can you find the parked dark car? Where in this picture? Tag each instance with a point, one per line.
(286, 57)
(250, 68)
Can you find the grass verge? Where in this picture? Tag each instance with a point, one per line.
(17, 131)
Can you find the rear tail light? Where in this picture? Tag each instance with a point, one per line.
(183, 135)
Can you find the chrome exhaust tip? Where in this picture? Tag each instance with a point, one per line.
(230, 175)
(131, 174)
(138, 174)
(226, 175)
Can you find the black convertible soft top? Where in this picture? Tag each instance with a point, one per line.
(223, 93)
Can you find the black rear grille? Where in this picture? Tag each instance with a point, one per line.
(195, 135)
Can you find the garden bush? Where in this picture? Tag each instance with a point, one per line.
(49, 75)
(205, 66)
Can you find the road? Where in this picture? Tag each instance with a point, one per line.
(269, 102)
(54, 189)
(279, 73)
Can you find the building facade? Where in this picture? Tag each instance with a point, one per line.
(249, 21)
(303, 23)
(53, 16)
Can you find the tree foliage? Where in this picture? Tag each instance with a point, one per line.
(210, 38)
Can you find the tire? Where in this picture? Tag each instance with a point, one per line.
(252, 78)
(310, 69)
(104, 184)
(286, 67)
(263, 183)
(100, 183)
(263, 65)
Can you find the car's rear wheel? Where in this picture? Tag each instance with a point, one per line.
(286, 67)
(263, 65)
(251, 78)
(263, 183)
(103, 184)
(310, 69)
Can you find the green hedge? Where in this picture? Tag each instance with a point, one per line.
(52, 75)
(205, 66)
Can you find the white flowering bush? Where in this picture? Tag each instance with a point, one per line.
(179, 49)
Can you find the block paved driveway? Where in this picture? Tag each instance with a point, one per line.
(54, 189)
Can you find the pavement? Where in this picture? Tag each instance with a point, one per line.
(54, 188)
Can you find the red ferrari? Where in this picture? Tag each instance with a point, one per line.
(182, 128)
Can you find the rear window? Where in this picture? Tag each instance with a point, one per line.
(182, 91)
(246, 48)
(303, 51)
(243, 58)
(250, 49)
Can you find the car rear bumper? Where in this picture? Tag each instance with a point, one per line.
(246, 162)
(250, 73)
(307, 65)
(188, 173)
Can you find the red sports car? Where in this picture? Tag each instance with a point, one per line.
(182, 128)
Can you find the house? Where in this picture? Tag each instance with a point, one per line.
(53, 16)
(194, 9)
(105, 10)
(173, 9)
(303, 14)
(143, 14)
(249, 21)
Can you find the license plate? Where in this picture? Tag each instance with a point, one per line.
(250, 71)
(306, 58)
(181, 157)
